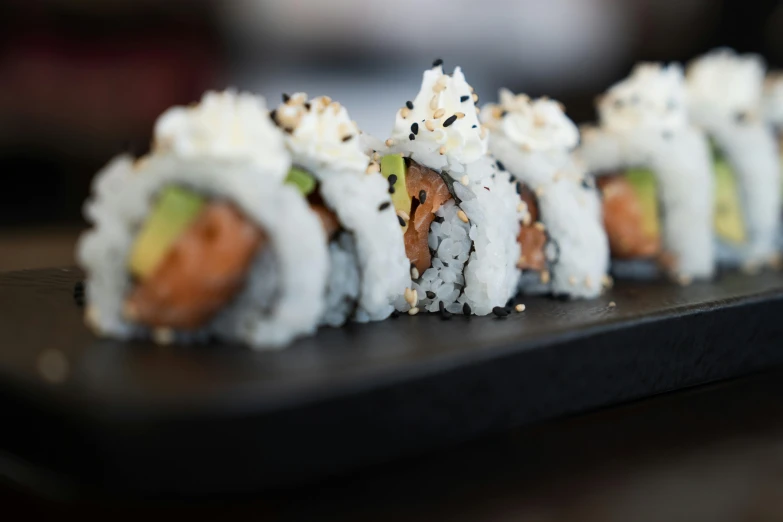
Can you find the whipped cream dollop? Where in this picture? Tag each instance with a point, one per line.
(773, 99)
(226, 125)
(653, 97)
(321, 135)
(442, 119)
(534, 125)
(724, 83)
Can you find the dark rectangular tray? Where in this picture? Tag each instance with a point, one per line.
(137, 419)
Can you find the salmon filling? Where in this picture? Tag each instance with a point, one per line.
(429, 193)
(632, 227)
(531, 238)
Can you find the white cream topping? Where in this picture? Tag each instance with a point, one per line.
(321, 135)
(653, 96)
(226, 125)
(534, 125)
(445, 113)
(726, 84)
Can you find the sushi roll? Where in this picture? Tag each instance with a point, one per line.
(202, 238)
(458, 213)
(368, 266)
(773, 114)
(564, 247)
(725, 97)
(654, 175)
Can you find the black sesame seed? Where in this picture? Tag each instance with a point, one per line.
(512, 179)
(439, 219)
(466, 309)
(307, 106)
(510, 303)
(395, 314)
(422, 196)
(412, 136)
(409, 105)
(500, 311)
(78, 293)
(347, 138)
(437, 62)
(391, 190)
(487, 189)
(500, 165)
(415, 128)
(503, 114)
(392, 179)
(519, 189)
(463, 99)
(383, 206)
(450, 120)
(430, 294)
(444, 314)
(402, 221)
(286, 98)
(273, 115)
(474, 127)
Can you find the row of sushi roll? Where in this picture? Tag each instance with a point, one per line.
(254, 224)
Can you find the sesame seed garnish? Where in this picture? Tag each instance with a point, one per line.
(540, 226)
(395, 314)
(475, 97)
(434, 102)
(474, 127)
(430, 125)
(308, 106)
(539, 191)
(465, 98)
(411, 136)
(163, 336)
(528, 220)
(402, 222)
(572, 280)
(438, 87)
(520, 308)
(372, 168)
(522, 260)
(389, 142)
(464, 180)
(500, 165)
(522, 206)
(438, 62)
(383, 206)
(466, 309)
(439, 113)
(545, 277)
(413, 311)
(459, 115)
(588, 282)
(450, 120)
(612, 304)
(273, 115)
(442, 150)
(411, 296)
(445, 314)
(430, 294)
(414, 273)
(462, 216)
(607, 281)
(347, 138)
(404, 215)
(423, 196)
(415, 128)
(392, 179)
(409, 104)
(286, 98)
(404, 112)
(500, 311)
(391, 189)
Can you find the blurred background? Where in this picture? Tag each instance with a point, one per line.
(82, 80)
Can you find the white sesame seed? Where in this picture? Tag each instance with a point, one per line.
(522, 260)
(522, 207)
(528, 220)
(612, 304)
(373, 168)
(607, 281)
(442, 150)
(572, 280)
(475, 97)
(434, 102)
(540, 226)
(389, 142)
(163, 336)
(463, 217)
(430, 125)
(53, 366)
(404, 112)
(404, 215)
(545, 277)
(459, 115)
(414, 273)
(539, 191)
(413, 311)
(588, 282)
(408, 294)
(438, 87)
(439, 113)
(520, 308)
(464, 180)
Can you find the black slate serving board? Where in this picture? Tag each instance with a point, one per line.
(137, 419)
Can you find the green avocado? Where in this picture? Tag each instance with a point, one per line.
(394, 164)
(729, 224)
(175, 209)
(645, 186)
(302, 180)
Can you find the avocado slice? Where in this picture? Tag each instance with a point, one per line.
(645, 186)
(729, 223)
(394, 164)
(302, 180)
(175, 209)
